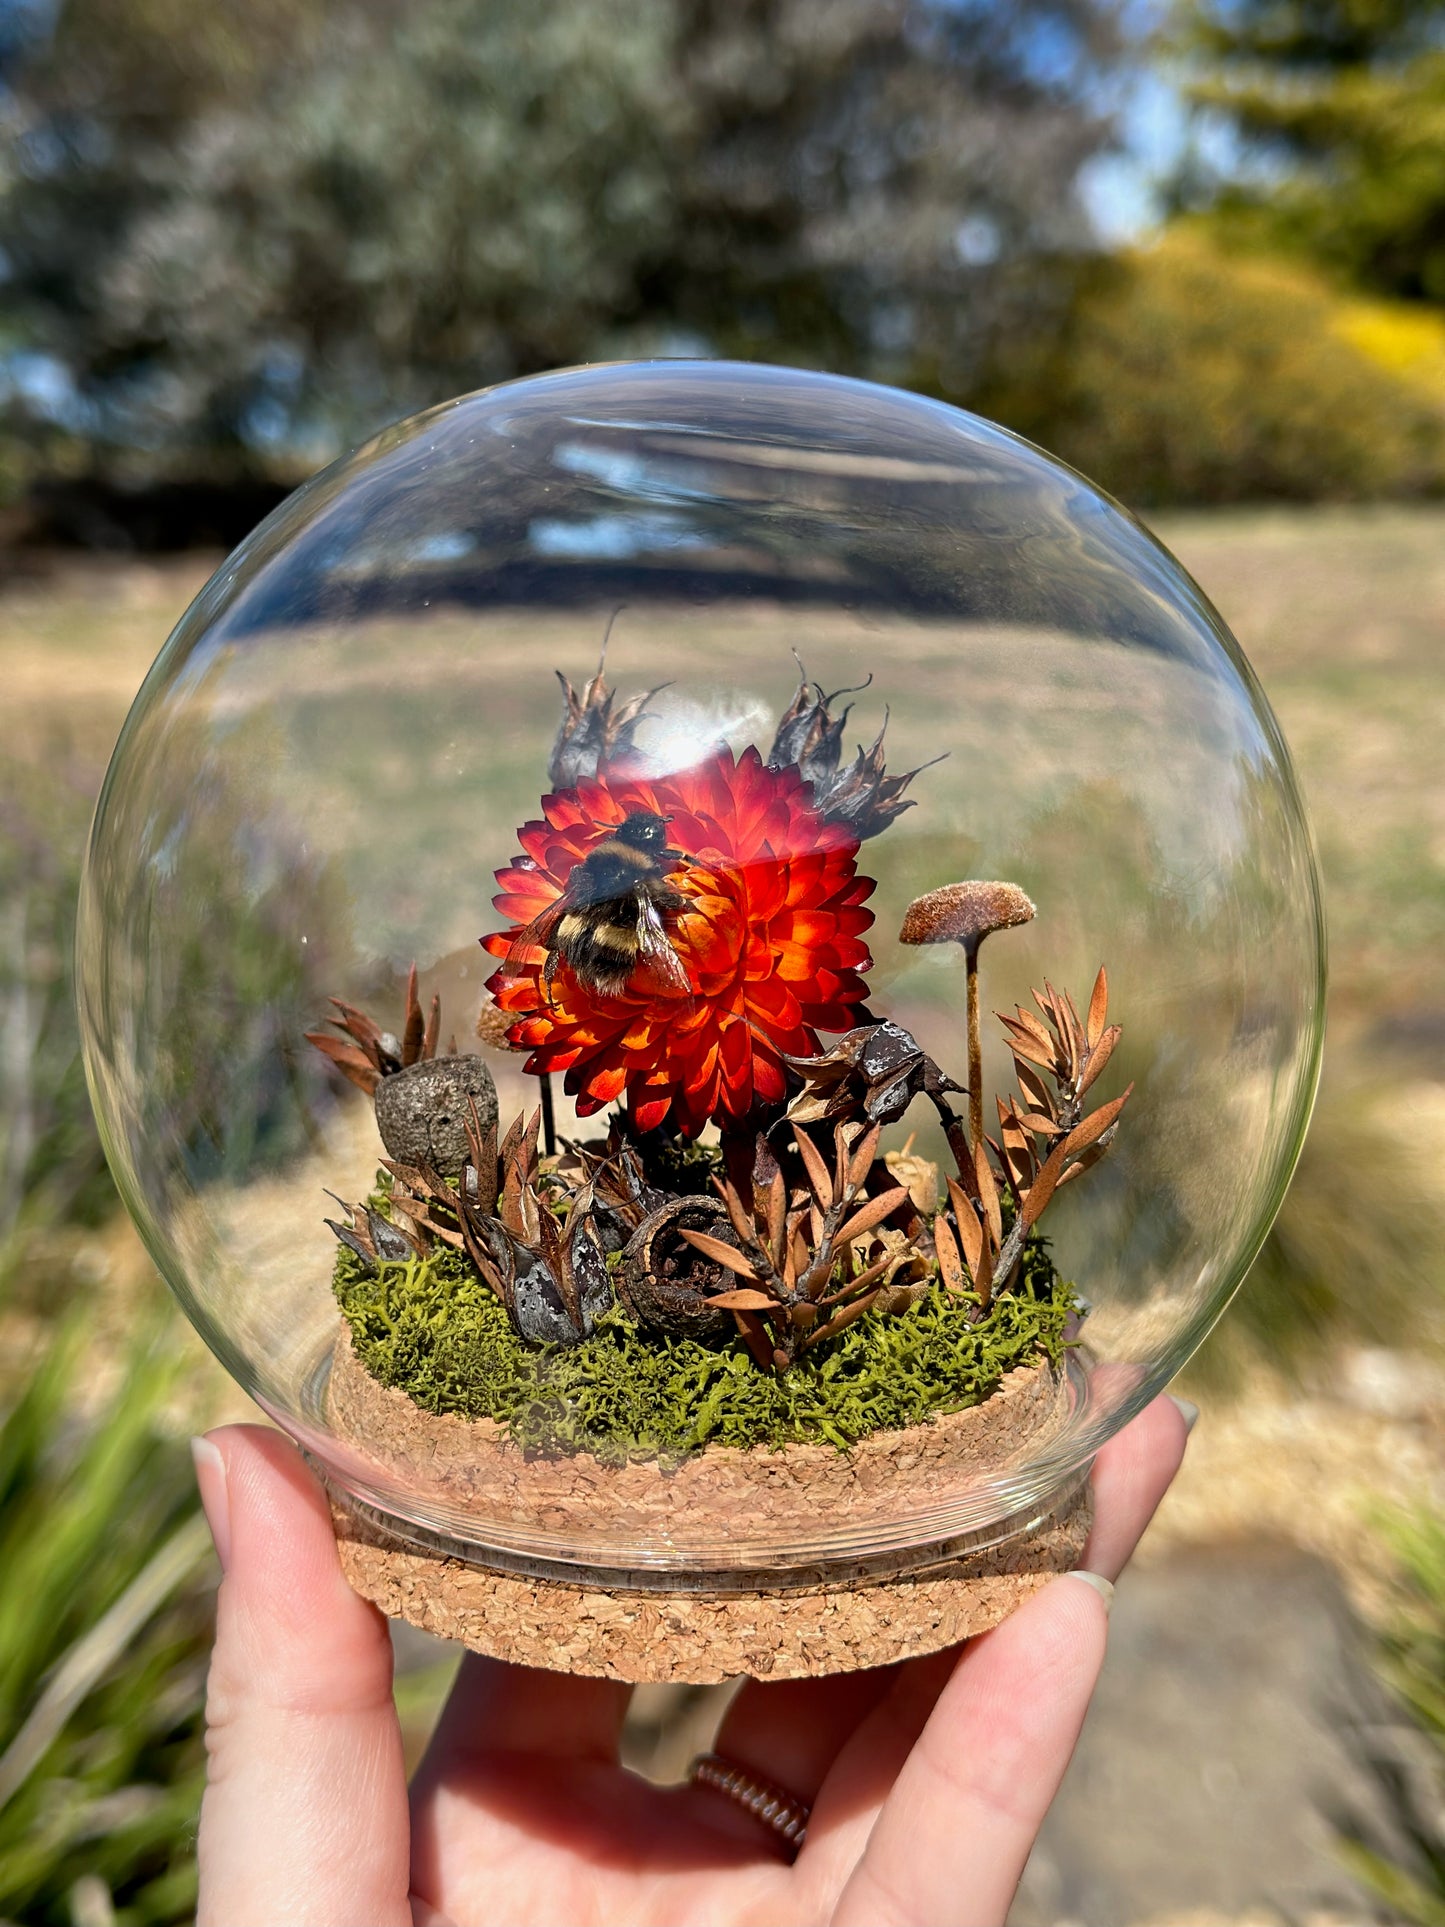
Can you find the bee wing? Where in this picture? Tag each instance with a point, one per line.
(536, 935)
(655, 946)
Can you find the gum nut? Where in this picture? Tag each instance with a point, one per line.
(422, 1112)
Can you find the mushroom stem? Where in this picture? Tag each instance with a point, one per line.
(965, 913)
(975, 1050)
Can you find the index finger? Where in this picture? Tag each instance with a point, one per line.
(1131, 1475)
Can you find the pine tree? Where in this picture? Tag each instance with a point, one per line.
(1338, 109)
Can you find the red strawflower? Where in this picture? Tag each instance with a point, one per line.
(772, 943)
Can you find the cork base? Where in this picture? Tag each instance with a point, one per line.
(702, 1638)
(742, 1494)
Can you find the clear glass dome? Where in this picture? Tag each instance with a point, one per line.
(323, 782)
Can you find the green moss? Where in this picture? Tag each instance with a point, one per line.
(432, 1329)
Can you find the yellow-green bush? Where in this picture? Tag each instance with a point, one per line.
(1190, 374)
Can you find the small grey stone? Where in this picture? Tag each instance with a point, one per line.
(422, 1111)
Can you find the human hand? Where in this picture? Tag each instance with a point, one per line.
(928, 1781)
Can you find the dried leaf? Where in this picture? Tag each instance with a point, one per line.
(852, 1286)
(353, 1064)
(1054, 1007)
(777, 1219)
(361, 1027)
(742, 1300)
(839, 1319)
(513, 1138)
(1095, 1124)
(723, 1254)
(1031, 1207)
(427, 1183)
(410, 1207)
(737, 1217)
(950, 1265)
(482, 1147)
(983, 1280)
(442, 1231)
(872, 1213)
(970, 1231)
(1099, 1056)
(415, 1029)
(1088, 1159)
(988, 1195)
(1017, 1151)
(814, 1165)
(861, 1162)
(433, 1030)
(1098, 1008)
(755, 1337)
(519, 1209)
(1035, 1091)
(808, 1109)
(1024, 1021)
(1044, 1055)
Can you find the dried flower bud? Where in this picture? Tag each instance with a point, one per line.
(591, 733)
(863, 795)
(422, 1112)
(809, 737)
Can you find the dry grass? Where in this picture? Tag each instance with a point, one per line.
(1342, 614)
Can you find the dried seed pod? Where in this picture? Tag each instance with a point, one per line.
(592, 733)
(422, 1111)
(666, 1282)
(537, 1303)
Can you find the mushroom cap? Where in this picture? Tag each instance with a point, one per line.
(964, 913)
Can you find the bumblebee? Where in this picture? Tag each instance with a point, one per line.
(610, 915)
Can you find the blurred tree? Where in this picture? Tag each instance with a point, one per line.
(1189, 373)
(1338, 111)
(247, 233)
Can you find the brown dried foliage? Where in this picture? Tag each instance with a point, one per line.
(1045, 1137)
(365, 1053)
(814, 1254)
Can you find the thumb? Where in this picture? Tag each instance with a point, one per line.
(304, 1818)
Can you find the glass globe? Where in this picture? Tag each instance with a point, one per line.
(694, 871)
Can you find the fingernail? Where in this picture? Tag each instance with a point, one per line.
(1188, 1411)
(215, 1500)
(1102, 1586)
